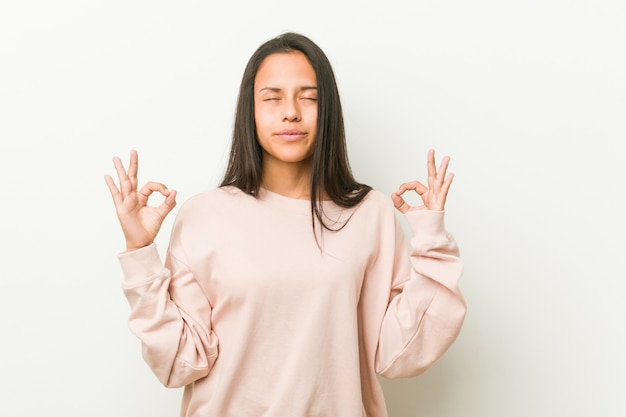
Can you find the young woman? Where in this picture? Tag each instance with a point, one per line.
(289, 287)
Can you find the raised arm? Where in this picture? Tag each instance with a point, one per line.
(169, 312)
(426, 308)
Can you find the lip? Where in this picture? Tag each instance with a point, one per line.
(290, 134)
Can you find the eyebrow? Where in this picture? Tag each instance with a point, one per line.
(276, 89)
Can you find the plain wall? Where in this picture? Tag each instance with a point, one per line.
(529, 99)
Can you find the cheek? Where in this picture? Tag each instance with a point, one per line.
(260, 119)
(309, 112)
(313, 118)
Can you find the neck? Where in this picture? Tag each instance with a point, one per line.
(288, 179)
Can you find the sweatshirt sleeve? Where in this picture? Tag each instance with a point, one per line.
(170, 314)
(426, 308)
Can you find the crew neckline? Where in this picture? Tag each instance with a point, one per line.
(266, 194)
(329, 206)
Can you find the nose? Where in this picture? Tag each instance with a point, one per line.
(291, 111)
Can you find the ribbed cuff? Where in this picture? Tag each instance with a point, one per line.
(141, 265)
(426, 223)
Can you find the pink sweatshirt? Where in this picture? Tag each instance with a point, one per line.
(254, 320)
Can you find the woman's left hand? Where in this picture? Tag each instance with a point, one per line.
(434, 196)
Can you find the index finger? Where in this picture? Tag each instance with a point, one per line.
(416, 186)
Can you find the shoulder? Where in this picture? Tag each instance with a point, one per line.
(377, 197)
(211, 200)
(377, 201)
(218, 194)
(375, 209)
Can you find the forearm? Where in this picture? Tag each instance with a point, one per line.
(426, 312)
(178, 346)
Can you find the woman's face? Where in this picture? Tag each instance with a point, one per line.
(285, 108)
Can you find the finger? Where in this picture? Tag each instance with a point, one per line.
(430, 162)
(168, 204)
(125, 184)
(115, 193)
(439, 202)
(399, 203)
(151, 187)
(133, 167)
(446, 184)
(432, 169)
(443, 167)
(416, 186)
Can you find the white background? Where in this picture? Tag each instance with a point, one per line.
(528, 97)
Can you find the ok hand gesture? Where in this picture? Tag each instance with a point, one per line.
(140, 222)
(434, 196)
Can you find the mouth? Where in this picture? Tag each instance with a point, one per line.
(290, 134)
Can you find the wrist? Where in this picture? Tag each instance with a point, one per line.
(130, 247)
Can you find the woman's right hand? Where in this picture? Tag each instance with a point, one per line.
(140, 222)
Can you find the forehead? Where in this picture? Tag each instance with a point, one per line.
(284, 69)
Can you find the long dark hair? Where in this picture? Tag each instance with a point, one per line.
(330, 170)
